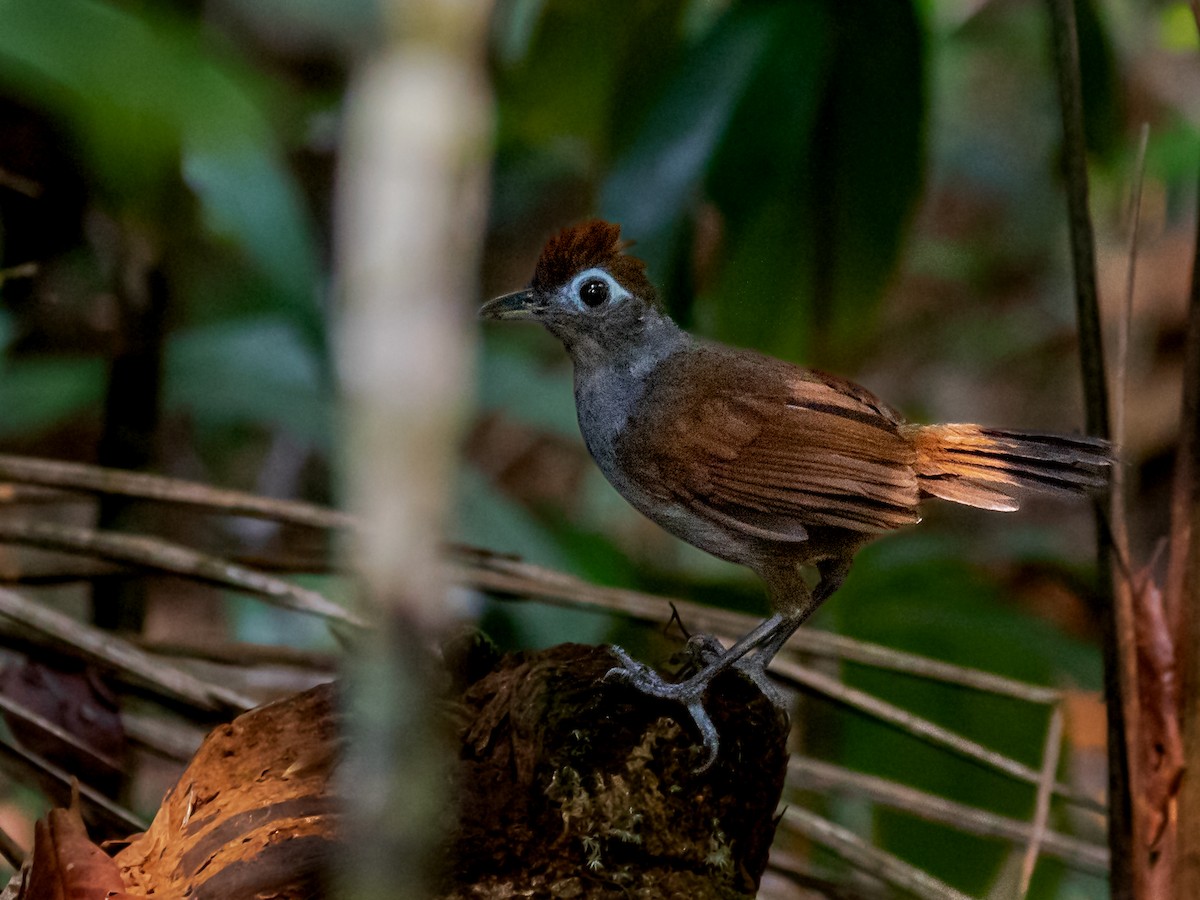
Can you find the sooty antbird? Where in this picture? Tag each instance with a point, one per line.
(753, 459)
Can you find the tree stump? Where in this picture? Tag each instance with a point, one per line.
(571, 787)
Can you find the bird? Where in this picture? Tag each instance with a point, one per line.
(753, 459)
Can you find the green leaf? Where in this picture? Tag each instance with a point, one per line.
(486, 518)
(657, 182)
(510, 378)
(249, 197)
(816, 208)
(803, 124)
(257, 371)
(38, 393)
(148, 101)
(914, 593)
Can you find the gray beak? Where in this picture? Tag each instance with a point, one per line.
(511, 306)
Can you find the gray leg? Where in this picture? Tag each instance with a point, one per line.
(691, 692)
(794, 603)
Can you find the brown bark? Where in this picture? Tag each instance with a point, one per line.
(575, 788)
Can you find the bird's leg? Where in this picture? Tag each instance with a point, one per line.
(795, 602)
(690, 692)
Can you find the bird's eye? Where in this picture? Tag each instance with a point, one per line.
(594, 291)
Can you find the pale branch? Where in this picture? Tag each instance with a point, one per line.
(512, 578)
(814, 775)
(112, 652)
(242, 654)
(1037, 833)
(175, 559)
(863, 855)
(167, 738)
(98, 480)
(27, 716)
(920, 727)
(30, 768)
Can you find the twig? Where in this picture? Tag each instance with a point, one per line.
(1182, 595)
(1083, 251)
(24, 766)
(920, 727)
(56, 731)
(11, 850)
(167, 738)
(1125, 615)
(802, 871)
(859, 853)
(19, 183)
(98, 480)
(173, 558)
(1037, 832)
(115, 653)
(811, 774)
(510, 578)
(242, 654)
(1091, 358)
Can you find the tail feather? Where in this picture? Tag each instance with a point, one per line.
(989, 468)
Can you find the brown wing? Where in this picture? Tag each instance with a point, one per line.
(772, 448)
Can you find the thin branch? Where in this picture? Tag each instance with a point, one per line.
(30, 768)
(1091, 357)
(29, 717)
(920, 727)
(167, 738)
(1037, 833)
(1083, 250)
(165, 556)
(800, 870)
(1182, 594)
(117, 654)
(11, 850)
(510, 578)
(242, 654)
(14, 494)
(810, 774)
(862, 855)
(19, 183)
(99, 480)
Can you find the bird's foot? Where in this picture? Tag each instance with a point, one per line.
(688, 693)
(754, 668)
(705, 650)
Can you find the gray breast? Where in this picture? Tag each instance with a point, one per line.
(605, 399)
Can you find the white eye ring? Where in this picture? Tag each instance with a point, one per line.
(585, 289)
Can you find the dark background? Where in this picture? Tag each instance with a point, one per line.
(869, 187)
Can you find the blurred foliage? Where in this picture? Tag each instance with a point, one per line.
(870, 186)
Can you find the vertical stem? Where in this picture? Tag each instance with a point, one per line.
(131, 410)
(411, 203)
(1117, 640)
(1182, 595)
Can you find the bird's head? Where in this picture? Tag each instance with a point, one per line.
(586, 291)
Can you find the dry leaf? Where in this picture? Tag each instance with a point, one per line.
(1158, 697)
(66, 865)
(253, 816)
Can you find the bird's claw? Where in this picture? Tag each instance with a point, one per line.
(645, 680)
(756, 671)
(689, 693)
(704, 650)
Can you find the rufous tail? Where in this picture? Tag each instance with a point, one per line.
(989, 468)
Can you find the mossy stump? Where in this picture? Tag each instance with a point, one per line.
(576, 788)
